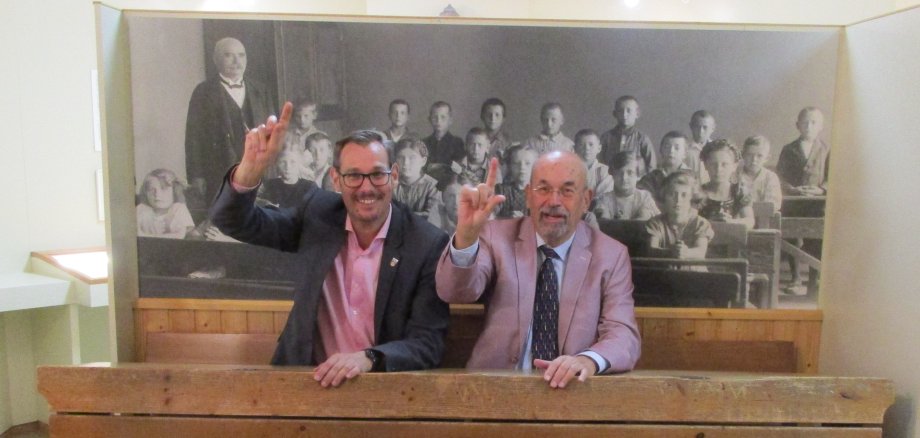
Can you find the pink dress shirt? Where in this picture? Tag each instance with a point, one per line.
(345, 316)
(346, 311)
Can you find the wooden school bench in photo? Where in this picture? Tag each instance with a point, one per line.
(741, 268)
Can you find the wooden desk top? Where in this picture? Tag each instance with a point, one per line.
(640, 396)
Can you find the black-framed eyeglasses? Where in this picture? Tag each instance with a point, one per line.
(378, 178)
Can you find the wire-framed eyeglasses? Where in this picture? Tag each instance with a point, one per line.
(566, 192)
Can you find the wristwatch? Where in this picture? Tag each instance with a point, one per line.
(375, 357)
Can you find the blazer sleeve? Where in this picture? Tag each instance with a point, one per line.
(422, 347)
(618, 332)
(236, 215)
(464, 285)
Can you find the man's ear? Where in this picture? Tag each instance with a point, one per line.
(336, 179)
(528, 194)
(589, 196)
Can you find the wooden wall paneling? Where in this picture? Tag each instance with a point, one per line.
(207, 321)
(703, 329)
(140, 335)
(784, 331)
(756, 329)
(233, 321)
(681, 329)
(156, 320)
(260, 322)
(280, 319)
(654, 328)
(807, 338)
(210, 348)
(728, 330)
(181, 321)
(148, 321)
(802, 328)
(741, 356)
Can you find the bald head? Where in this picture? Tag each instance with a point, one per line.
(561, 163)
(230, 58)
(557, 195)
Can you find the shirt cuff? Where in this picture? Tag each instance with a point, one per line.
(599, 360)
(241, 189)
(463, 258)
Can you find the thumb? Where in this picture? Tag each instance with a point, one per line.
(541, 363)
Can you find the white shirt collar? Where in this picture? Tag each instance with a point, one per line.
(229, 81)
(563, 249)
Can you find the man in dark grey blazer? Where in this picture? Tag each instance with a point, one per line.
(220, 112)
(365, 300)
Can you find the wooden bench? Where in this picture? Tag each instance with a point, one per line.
(150, 400)
(660, 354)
(235, 331)
(677, 354)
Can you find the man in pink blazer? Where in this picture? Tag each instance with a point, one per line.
(585, 288)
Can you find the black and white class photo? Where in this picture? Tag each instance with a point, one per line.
(706, 149)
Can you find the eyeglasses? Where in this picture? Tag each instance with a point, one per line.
(378, 178)
(567, 192)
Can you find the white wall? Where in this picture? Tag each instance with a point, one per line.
(47, 167)
(50, 53)
(870, 301)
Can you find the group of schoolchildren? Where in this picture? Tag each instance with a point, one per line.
(691, 181)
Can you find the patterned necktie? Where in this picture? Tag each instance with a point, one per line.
(546, 309)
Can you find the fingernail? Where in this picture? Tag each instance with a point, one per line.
(272, 118)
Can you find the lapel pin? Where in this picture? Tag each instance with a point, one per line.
(393, 262)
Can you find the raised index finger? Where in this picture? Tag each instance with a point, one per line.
(286, 112)
(493, 169)
(280, 125)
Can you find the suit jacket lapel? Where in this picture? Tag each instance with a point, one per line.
(389, 264)
(576, 269)
(525, 259)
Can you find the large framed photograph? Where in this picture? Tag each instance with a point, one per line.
(739, 119)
